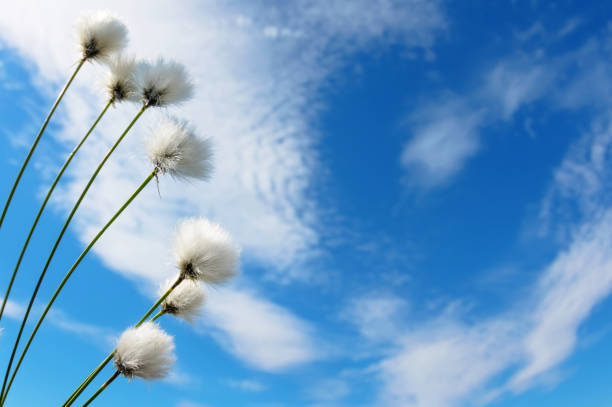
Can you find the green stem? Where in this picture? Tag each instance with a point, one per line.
(44, 204)
(101, 389)
(93, 374)
(160, 300)
(157, 316)
(89, 379)
(57, 242)
(37, 139)
(69, 274)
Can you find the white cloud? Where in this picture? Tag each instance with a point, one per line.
(446, 361)
(582, 187)
(247, 385)
(515, 82)
(260, 332)
(376, 315)
(12, 310)
(578, 279)
(180, 379)
(454, 359)
(446, 134)
(330, 390)
(101, 336)
(445, 137)
(569, 27)
(442, 364)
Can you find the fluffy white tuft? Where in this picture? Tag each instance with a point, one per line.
(146, 352)
(173, 148)
(121, 82)
(163, 83)
(205, 252)
(100, 35)
(185, 301)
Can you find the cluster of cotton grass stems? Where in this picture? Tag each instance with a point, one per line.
(173, 149)
(204, 254)
(156, 85)
(101, 38)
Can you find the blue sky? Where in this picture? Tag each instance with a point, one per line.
(420, 189)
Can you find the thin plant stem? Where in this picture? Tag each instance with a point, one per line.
(69, 274)
(159, 314)
(85, 383)
(93, 374)
(101, 389)
(44, 204)
(57, 242)
(37, 139)
(160, 300)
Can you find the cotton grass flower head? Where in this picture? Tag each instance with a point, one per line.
(185, 301)
(174, 149)
(100, 35)
(121, 81)
(164, 83)
(205, 252)
(146, 352)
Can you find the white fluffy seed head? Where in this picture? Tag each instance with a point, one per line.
(205, 252)
(174, 149)
(146, 352)
(100, 35)
(121, 81)
(163, 83)
(185, 301)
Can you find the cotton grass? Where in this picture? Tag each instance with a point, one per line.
(204, 251)
(185, 301)
(163, 83)
(121, 81)
(174, 149)
(145, 352)
(100, 35)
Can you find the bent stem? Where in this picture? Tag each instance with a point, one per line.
(69, 274)
(57, 242)
(97, 370)
(37, 139)
(44, 204)
(101, 389)
(156, 317)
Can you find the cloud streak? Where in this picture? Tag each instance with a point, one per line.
(447, 133)
(455, 358)
(445, 137)
(260, 332)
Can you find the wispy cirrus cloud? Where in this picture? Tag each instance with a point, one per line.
(102, 336)
(377, 316)
(456, 357)
(261, 333)
(13, 310)
(447, 133)
(247, 385)
(445, 138)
